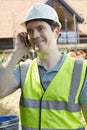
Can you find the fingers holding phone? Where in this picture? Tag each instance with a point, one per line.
(22, 44)
(26, 41)
(23, 37)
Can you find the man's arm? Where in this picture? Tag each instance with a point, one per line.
(8, 84)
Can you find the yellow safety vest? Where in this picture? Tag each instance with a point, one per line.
(58, 107)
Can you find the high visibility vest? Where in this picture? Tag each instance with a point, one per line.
(58, 107)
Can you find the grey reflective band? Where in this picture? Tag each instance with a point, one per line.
(50, 104)
(25, 128)
(76, 76)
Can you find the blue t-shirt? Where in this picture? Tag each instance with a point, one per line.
(46, 76)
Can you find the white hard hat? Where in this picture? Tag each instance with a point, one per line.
(42, 11)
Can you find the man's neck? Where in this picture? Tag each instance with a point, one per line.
(48, 61)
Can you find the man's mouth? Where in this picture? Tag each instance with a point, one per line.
(38, 42)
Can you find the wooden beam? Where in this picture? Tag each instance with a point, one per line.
(82, 46)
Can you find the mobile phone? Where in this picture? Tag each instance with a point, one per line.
(26, 41)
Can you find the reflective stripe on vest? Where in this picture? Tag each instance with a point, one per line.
(38, 105)
(50, 104)
(75, 79)
(25, 128)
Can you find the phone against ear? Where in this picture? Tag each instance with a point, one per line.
(26, 41)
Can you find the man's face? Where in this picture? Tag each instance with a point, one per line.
(41, 37)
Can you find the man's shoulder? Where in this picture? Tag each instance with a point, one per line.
(24, 65)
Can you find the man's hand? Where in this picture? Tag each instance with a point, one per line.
(20, 44)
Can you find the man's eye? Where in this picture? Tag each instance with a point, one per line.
(40, 29)
(30, 31)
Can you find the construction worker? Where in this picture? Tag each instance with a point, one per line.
(53, 85)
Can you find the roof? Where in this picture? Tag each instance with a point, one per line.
(80, 6)
(68, 7)
(12, 13)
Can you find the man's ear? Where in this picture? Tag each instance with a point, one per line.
(57, 31)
